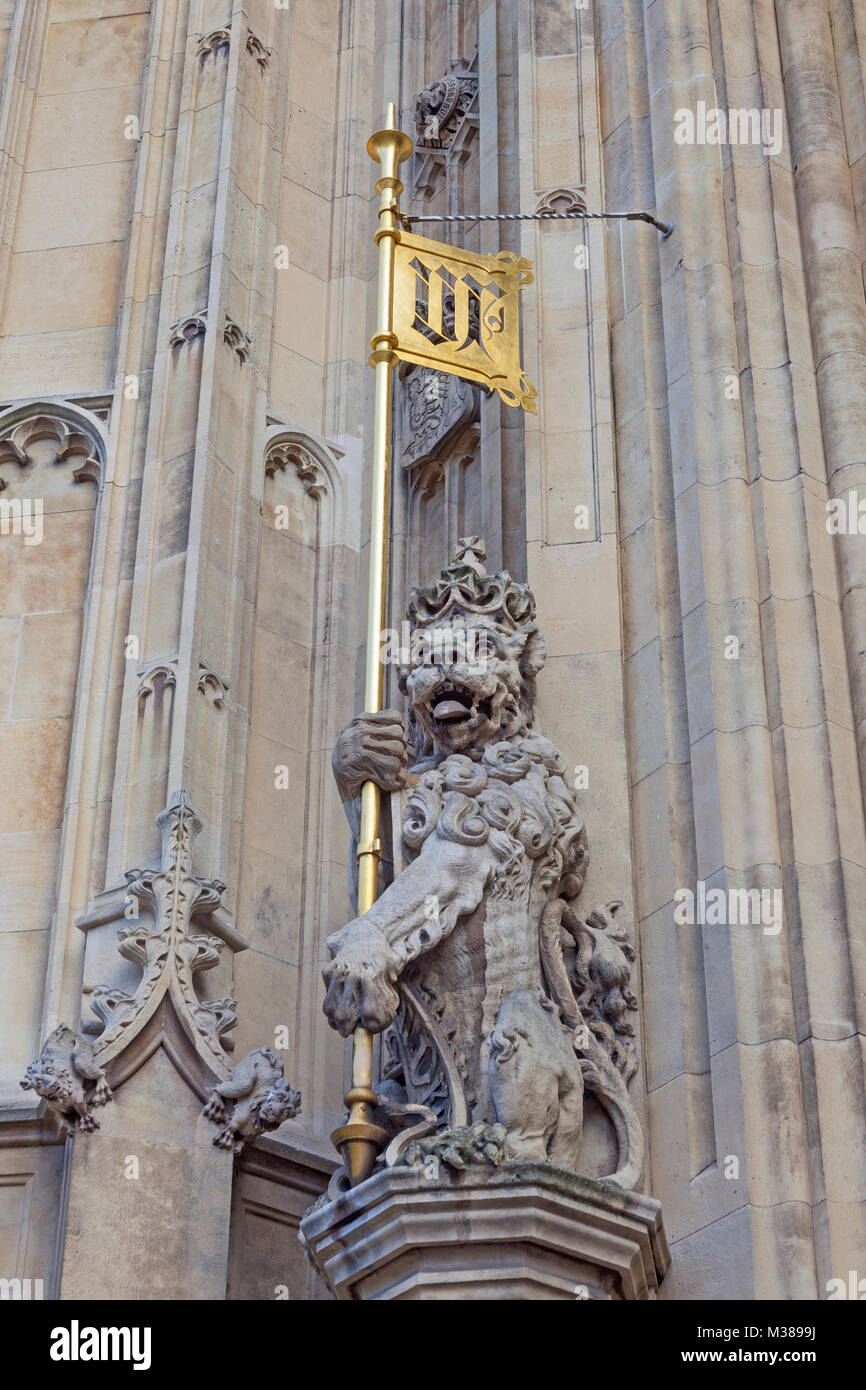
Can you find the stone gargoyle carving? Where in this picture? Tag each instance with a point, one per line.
(499, 1003)
(66, 1076)
(260, 1100)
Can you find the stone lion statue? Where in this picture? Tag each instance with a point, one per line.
(66, 1076)
(261, 1100)
(500, 1005)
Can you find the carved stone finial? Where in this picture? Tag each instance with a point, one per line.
(67, 1077)
(174, 950)
(471, 551)
(254, 1099)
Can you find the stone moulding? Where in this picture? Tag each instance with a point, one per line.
(524, 1230)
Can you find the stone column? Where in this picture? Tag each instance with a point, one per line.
(198, 307)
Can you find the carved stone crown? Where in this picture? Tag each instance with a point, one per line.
(464, 587)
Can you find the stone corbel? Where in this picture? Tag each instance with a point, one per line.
(68, 1078)
(253, 1100)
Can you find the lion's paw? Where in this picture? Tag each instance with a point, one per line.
(360, 980)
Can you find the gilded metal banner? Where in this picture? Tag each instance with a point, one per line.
(458, 312)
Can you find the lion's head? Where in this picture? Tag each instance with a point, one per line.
(474, 655)
(52, 1082)
(279, 1104)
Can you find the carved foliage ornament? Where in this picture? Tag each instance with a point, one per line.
(172, 952)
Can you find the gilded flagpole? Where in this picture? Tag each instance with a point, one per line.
(359, 1140)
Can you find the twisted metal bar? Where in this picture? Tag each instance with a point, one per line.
(407, 221)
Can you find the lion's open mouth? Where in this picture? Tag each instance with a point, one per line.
(455, 703)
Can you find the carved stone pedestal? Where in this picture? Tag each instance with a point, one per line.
(524, 1230)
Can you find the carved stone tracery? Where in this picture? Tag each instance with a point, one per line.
(280, 455)
(239, 341)
(219, 40)
(19, 439)
(186, 330)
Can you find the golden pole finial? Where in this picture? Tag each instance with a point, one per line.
(359, 1141)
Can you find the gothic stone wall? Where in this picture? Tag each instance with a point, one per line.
(187, 265)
